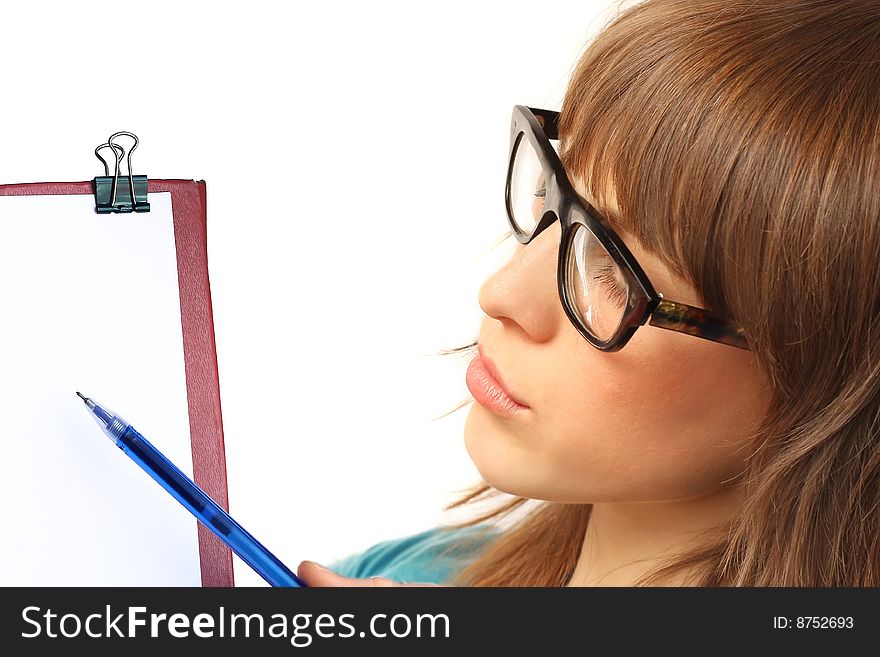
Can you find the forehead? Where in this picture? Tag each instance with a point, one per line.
(608, 206)
(608, 209)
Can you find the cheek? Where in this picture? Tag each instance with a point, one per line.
(646, 428)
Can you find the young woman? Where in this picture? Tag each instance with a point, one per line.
(716, 188)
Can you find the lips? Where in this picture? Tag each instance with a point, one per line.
(493, 370)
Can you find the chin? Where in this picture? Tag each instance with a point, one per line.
(506, 463)
(499, 457)
(485, 447)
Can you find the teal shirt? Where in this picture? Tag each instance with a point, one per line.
(433, 556)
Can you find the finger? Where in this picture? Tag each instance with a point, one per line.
(384, 581)
(314, 574)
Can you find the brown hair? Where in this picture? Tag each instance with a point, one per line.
(741, 142)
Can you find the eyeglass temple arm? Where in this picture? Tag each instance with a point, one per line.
(547, 119)
(697, 321)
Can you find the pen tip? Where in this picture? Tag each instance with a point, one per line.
(81, 396)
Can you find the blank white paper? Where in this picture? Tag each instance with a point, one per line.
(90, 302)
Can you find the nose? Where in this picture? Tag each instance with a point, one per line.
(524, 292)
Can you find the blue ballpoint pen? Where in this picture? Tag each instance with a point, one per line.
(191, 496)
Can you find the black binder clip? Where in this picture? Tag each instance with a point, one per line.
(110, 196)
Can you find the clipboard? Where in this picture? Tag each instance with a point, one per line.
(189, 213)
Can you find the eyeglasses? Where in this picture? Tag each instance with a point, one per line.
(603, 289)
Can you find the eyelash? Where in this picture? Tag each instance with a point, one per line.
(613, 290)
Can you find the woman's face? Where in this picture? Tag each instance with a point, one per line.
(666, 417)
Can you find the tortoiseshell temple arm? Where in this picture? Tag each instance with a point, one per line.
(696, 321)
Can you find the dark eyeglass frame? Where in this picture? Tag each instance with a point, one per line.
(644, 303)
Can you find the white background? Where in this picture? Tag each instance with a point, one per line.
(355, 156)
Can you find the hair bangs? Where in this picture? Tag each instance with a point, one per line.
(653, 124)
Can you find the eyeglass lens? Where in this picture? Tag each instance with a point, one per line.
(595, 288)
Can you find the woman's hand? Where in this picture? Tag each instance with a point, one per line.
(314, 574)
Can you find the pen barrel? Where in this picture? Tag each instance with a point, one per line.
(208, 512)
